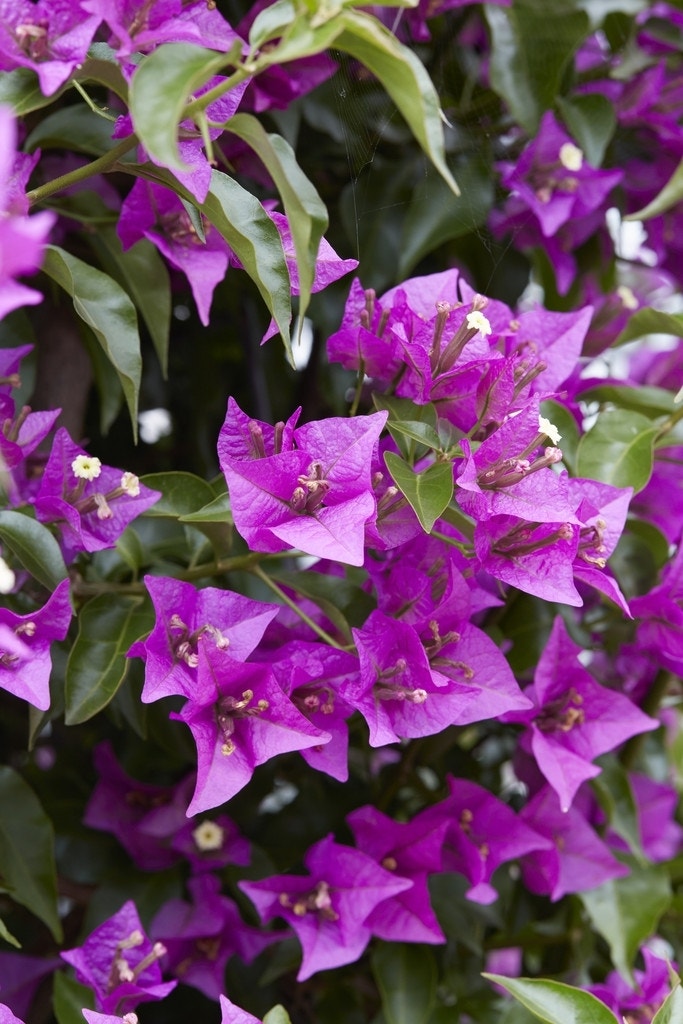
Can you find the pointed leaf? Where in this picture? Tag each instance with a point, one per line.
(217, 511)
(423, 433)
(406, 977)
(554, 1002)
(671, 1010)
(21, 90)
(626, 911)
(34, 547)
(591, 120)
(278, 1015)
(103, 67)
(160, 90)
(651, 321)
(181, 495)
(304, 208)
(27, 864)
(618, 449)
(69, 998)
(615, 796)
(669, 196)
(141, 271)
(428, 492)
(104, 306)
(7, 936)
(405, 79)
(108, 625)
(75, 127)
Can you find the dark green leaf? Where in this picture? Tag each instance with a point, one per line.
(406, 977)
(97, 665)
(20, 90)
(428, 492)
(669, 196)
(217, 511)
(181, 494)
(615, 796)
(405, 409)
(591, 120)
(423, 433)
(34, 547)
(27, 865)
(671, 1010)
(649, 400)
(561, 417)
(554, 1002)
(304, 208)
(69, 997)
(141, 271)
(103, 67)
(436, 215)
(618, 449)
(625, 911)
(104, 306)
(531, 45)
(404, 78)
(651, 321)
(7, 936)
(75, 127)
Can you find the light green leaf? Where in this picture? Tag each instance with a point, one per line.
(104, 306)
(646, 399)
(278, 1015)
(181, 495)
(27, 864)
(69, 997)
(591, 120)
(423, 433)
(304, 208)
(554, 1002)
(618, 449)
(103, 67)
(97, 665)
(34, 547)
(20, 90)
(405, 79)
(406, 977)
(671, 1010)
(141, 271)
(670, 195)
(217, 511)
(626, 911)
(428, 492)
(7, 936)
(651, 321)
(161, 88)
(531, 46)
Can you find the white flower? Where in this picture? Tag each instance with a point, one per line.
(130, 484)
(208, 836)
(571, 156)
(86, 467)
(476, 321)
(7, 578)
(549, 429)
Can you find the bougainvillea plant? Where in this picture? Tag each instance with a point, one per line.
(341, 457)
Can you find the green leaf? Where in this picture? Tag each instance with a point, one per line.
(561, 417)
(435, 215)
(34, 547)
(181, 494)
(618, 449)
(406, 977)
(271, 23)
(554, 1002)
(103, 67)
(651, 321)
(75, 127)
(278, 1015)
(97, 665)
(670, 195)
(405, 409)
(405, 79)
(591, 120)
(161, 89)
(217, 511)
(69, 997)
(649, 400)
(625, 911)
(20, 90)
(423, 433)
(7, 936)
(428, 492)
(343, 603)
(104, 306)
(27, 864)
(141, 271)
(304, 208)
(613, 791)
(671, 1010)
(531, 46)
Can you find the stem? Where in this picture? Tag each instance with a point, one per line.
(258, 571)
(103, 163)
(100, 111)
(359, 389)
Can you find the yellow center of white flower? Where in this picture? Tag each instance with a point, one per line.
(208, 836)
(550, 430)
(476, 321)
(86, 467)
(571, 156)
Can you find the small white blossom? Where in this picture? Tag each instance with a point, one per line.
(130, 484)
(549, 429)
(208, 836)
(7, 578)
(571, 156)
(628, 299)
(476, 321)
(86, 467)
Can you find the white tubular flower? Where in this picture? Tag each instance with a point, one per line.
(571, 156)
(208, 836)
(7, 578)
(550, 430)
(130, 484)
(476, 321)
(86, 467)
